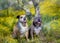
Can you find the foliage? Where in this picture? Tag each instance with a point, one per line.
(50, 15)
(50, 8)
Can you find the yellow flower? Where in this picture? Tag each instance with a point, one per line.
(55, 24)
(32, 10)
(21, 12)
(10, 39)
(9, 20)
(47, 8)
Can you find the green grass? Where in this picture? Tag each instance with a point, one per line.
(49, 32)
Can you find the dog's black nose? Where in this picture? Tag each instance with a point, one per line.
(24, 18)
(38, 20)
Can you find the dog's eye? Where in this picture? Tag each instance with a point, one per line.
(20, 17)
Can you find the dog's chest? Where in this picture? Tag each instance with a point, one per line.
(22, 29)
(37, 30)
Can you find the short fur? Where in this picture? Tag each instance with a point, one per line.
(35, 28)
(21, 27)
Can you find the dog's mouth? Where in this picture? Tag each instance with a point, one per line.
(24, 23)
(38, 23)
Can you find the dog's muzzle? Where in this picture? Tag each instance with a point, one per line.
(24, 23)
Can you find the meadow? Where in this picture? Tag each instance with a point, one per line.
(50, 16)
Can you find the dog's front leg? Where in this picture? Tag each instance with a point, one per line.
(27, 36)
(14, 35)
(31, 33)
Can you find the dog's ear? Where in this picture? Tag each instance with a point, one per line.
(34, 23)
(18, 16)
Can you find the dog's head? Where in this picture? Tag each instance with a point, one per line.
(37, 21)
(22, 18)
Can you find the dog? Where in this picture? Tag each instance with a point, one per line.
(36, 27)
(21, 27)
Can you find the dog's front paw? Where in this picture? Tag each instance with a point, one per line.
(28, 40)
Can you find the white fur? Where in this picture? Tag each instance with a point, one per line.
(22, 19)
(37, 30)
(22, 28)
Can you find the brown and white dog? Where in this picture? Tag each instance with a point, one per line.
(21, 27)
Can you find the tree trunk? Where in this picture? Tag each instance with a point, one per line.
(36, 6)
